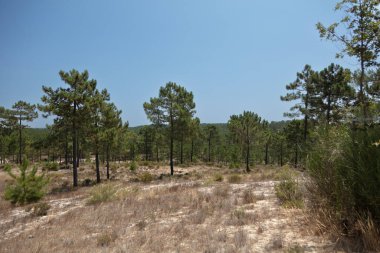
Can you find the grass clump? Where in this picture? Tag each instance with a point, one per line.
(51, 166)
(41, 209)
(105, 239)
(240, 217)
(27, 187)
(234, 165)
(234, 179)
(344, 166)
(102, 193)
(218, 177)
(146, 177)
(249, 197)
(289, 193)
(133, 166)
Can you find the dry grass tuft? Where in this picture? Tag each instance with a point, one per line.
(105, 239)
(234, 179)
(249, 197)
(102, 193)
(240, 239)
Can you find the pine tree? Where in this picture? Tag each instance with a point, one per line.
(360, 37)
(210, 134)
(111, 125)
(23, 111)
(69, 104)
(302, 91)
(245, 127)
(334, 93)
(173, 106)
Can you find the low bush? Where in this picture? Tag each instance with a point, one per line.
(105, 239)
(240, 217)
(218, 177)
(289, 193)
(146, 177)
(27, 187)
(234, 179)
(102, 193)
(51, 166)
(344, 166)
(41, 209)
(249, 197)
(133, 166)
(234, 165)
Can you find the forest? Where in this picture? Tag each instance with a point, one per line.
(322, 160)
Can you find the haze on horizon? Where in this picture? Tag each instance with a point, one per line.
(233, 55)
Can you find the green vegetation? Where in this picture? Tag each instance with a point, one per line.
(27, 187)
(40, 209)
(102, 193)
(288, 191)
(145, 177)
(333, 135)
(133, 166)
(51, 166)
(234, 179)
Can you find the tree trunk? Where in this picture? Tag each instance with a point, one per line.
(157, 158)
(296, 156)
(97, 166)
(281, 155)
(171, 142)
(75, 170)
(328, 107)
(181, 151)
(108, 161)
(78, 153)
(192, 151)
(146, 146)
(247, 156)
(266, 153)
(209, 149)
(20, 143)
(66, 153)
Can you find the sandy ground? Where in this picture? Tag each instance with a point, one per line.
(272, 228)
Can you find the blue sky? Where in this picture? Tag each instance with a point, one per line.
(234, 55)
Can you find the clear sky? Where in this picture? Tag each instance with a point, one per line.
(234, 55)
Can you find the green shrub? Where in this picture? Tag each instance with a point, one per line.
(133, 166)
(234, 165)
(146, 177)
(41, 209)
(105, 239)
(234, 179)
(102, 193)
(218, 177)
(27, 187)
(345, 168)
(289, 193)
(51, 166)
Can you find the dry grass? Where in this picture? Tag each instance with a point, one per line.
(174, 214)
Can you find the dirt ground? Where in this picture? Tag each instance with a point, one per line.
(201, 209)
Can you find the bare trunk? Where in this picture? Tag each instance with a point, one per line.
(181, 151)
(247, 156)
(108, 161)
(192, 151)
(20, 143)
(97, 166)
(75, 171)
